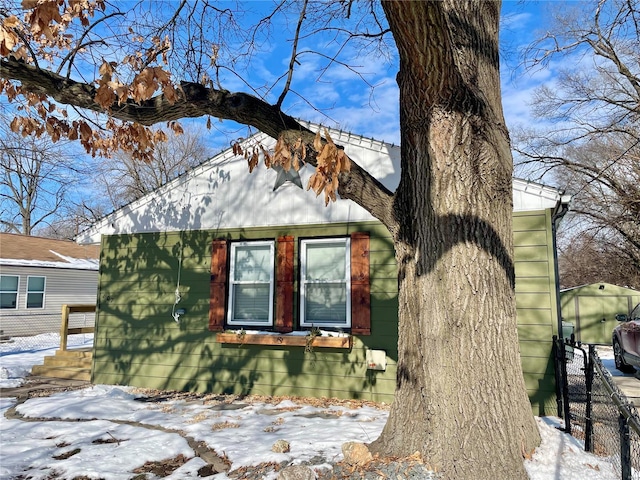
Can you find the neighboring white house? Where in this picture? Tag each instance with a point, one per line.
(37, 276)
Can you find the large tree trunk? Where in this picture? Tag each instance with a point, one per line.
(461, 399)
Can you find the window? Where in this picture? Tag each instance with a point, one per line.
(35, 292)
(325, 286)
(251, 288)
(9, 291)
(251, 275)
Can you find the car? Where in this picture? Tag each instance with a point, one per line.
(626, 341)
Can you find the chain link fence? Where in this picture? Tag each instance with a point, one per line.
(595, 410)
(37, 331)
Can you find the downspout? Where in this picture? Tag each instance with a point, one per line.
(560, 211)
(562, 399)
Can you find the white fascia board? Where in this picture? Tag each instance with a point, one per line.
(529, 196)
(77, 264)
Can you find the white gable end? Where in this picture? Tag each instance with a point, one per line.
(222, 194)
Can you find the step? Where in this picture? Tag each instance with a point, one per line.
(67, 361)
(76, 353)
(62, 372)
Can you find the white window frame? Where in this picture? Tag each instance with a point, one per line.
(304, 282)
(17, 292)
(230, 312)
(44, 289)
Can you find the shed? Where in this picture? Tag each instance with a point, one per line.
(592, 309)
(37, 276)
(203, 284)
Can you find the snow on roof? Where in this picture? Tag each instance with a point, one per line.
(24, 250)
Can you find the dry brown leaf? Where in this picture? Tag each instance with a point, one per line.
(85, 131)
(8, 39)
(317, 142)
(177, 128)
(28, 4)
(253, 161)
(328, 137)
(105, 96)
(73, 134)
(287, 161)
(344, 162)
(106, 68)
(282, 151)
(159, 136)
(15, 125)
(267, 158)
(170, 93)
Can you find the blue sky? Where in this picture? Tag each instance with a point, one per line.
(348, 103)
(344, 101)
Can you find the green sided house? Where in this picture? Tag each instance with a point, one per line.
(592, 309)
(230, 282)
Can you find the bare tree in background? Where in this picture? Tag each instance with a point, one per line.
(35, 175)
(584, 259)
(75, 216)
(122, 179)
(590, 139)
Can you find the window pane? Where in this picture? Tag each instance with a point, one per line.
(35, 284)
(252, 263)
(325, 261)
(251, 302)
(8, 283)
(8, 300)
(326, 303)
(35, 300)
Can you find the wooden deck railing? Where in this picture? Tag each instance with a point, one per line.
(65, 331)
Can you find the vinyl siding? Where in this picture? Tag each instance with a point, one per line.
(536, 306)
(62, 286)
(138, 343)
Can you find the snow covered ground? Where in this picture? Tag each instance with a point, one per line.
(107, 432)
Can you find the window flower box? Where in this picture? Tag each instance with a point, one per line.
(318, 341)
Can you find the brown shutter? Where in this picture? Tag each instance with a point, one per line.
(284, 285)
(360, 291)
(218, 285)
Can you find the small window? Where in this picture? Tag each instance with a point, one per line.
(325, 285)
(9, 291)
(251, 279)
(35, 292)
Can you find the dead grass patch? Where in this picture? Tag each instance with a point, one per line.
(223, 425)
(70, 453)
(162, 468)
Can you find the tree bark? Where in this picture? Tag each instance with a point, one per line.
(461, 399)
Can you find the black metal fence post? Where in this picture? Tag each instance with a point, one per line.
(565, 387)
(558, 375)
(588, 434)
(625, 448)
